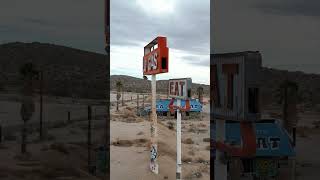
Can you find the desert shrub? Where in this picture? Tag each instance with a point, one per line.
(206, 139)
(188, 141)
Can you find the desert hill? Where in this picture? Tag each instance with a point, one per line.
(73, 72)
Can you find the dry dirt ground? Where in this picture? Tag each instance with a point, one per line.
(130, 137)
(63, 152)
(307, 145)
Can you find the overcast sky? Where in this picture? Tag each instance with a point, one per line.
(185, 23)
(285, 31)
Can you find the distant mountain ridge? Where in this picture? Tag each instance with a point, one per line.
(74, 72)
(140, 85)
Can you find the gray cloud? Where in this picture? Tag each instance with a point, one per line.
(187, 28)
(80, 24)
(291, 7)
(65, 22)
(197, 60)
(285, 39)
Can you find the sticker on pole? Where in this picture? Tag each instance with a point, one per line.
(180, 88)
(156, 56)
(153, 157)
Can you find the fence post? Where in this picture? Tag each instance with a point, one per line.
(69, 116)
(89, 139)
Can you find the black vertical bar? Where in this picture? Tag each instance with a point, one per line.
(107, 48)
(89, 139)
(294, 136)
(143, 100)
(69, 116)
(41, 104)
(0, 134)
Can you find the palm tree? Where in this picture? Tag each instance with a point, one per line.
(288, 96)
(119, 87)
(28, 75)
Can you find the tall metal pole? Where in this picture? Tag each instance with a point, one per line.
(154, 145)
(179, 164)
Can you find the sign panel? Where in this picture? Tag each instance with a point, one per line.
(163, 105)
(180, 88)
(156, 56)
(271, 139)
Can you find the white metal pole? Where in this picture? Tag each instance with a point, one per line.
(220, 168)
(178, 174)
(154, 146)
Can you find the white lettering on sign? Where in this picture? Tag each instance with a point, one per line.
(265, 143)
(178, 88)
(152, 63)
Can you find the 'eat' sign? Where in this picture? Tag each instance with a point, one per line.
(180, 88)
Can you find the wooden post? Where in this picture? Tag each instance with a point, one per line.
(24, 138)
(89, 139)
(0, 133)
(143, 100)
(122, 99)
(179, 164)
(294, 136)
(137, 102)
(154, 145)
(69, 117)
(41, 105)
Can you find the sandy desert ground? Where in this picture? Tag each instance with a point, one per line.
(130, 136)
(63, 152)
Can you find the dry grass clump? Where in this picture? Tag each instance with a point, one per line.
(200, 160)
(128, 113)
(61, 147)
(122, 143)
(206, 139)
(202, 125)
(129, 108)
(129, 116)
(192, 128)
(129, 143)
(186, 159)
(170, 125)
(188, 141)
(140, 133)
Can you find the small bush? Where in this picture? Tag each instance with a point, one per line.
(188, 141)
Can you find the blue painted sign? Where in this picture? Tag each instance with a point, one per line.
(272, 140)
(163, 105)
